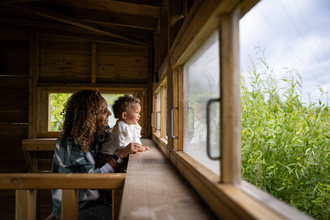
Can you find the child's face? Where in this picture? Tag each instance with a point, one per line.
(132, 115)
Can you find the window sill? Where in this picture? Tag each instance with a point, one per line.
(161, 142)
(228, 201)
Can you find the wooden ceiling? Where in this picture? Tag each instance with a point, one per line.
(126, 22)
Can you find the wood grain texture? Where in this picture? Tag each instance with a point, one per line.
(154, 190)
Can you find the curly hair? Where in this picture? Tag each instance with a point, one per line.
(122, 104)
(81, 112)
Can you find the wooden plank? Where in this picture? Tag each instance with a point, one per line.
(43, 112)
(13, 130)
(33, 79)
(65, 71)
(93, 62)
(161, 143)
(11, 153)
(116, 7)
(116, 202)
(45, 165)
(14, 166)
(204, 22)
(38, 147)
(69, 204)
(175, 103)
(18, 82)
(163, 48)
(48, 39)
(13, 34)
(26, 204)
(14, 95)
(14, 69)
(62, 181)
(114, 19)
(230, 164)
(13, 117)
(164, 195)
(123, 61)
(163, 111)
(121, 73)
(63, 60)
(114, 50)
(69, 20)
(181, 110)
(176, 15)
(42, 141)
(64, 47)
(15, 46)
(16, 58)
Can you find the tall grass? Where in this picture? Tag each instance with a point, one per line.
(285, 143)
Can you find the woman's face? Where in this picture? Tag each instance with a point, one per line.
(103, 120)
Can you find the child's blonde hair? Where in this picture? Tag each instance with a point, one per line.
(122, 104)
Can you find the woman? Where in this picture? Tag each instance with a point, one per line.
(85, 119)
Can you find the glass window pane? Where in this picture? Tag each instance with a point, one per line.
(201, 83)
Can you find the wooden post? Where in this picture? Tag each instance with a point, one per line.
(230, 99)
(180, 115)
(175, 103)
(117, 195)
(70, 204)
(93, 66)
(25, 205)
(163, 112)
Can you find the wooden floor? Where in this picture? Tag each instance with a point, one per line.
(154, 189)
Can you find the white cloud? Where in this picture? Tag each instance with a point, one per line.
(295, 34)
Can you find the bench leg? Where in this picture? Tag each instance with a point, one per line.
(117, 194)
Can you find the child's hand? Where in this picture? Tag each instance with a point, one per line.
(142, 148)
(146, 148)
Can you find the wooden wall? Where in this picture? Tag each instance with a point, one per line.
(64, 64)
(14, 102)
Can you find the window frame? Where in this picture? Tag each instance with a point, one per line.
(228, 195)
(43, 110)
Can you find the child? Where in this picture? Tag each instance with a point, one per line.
(127, 129)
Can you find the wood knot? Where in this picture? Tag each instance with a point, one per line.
(16, 183)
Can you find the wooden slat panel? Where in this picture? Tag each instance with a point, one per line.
(50, 38)
(14, 46)
(123, 61)
(14, 69)
(45, 165)
(121, 73)
(13, 142)
(65, 47)
(46, 154)
(13, 117)
(26, 204)
(14, 94)
(11, 153)
(15, 58)
(14, 82)
(64, 60)
(14, 166)
(13, 130)
(13, 34)
(62, 181)
(109, 49)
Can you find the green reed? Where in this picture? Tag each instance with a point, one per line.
(286, 143)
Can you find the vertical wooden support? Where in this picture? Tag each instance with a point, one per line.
(170, 104)
(163, 112)
(117, 195)
(175, 19)
(180, 115)
(230, 99)
(93, 66)
(33, 80)
(25, 205)
(70, 204)
(163, 48)
(154, 110)
(175, 103)
(149, 95)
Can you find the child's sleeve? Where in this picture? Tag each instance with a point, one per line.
(137, 130)
(120, 137)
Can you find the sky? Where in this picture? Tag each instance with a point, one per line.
(294, 34)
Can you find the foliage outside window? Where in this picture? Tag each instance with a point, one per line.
(58, 100)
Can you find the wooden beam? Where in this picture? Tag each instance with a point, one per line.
(230, 128)
(180, 110)
(70, 204)
(68, 20)
(95, 85)
(26, 201)
(62, 181)
(113, 19)
(61, 29)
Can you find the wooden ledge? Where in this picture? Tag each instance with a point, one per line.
(62, 181)
(154, 189)
(38, 144)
